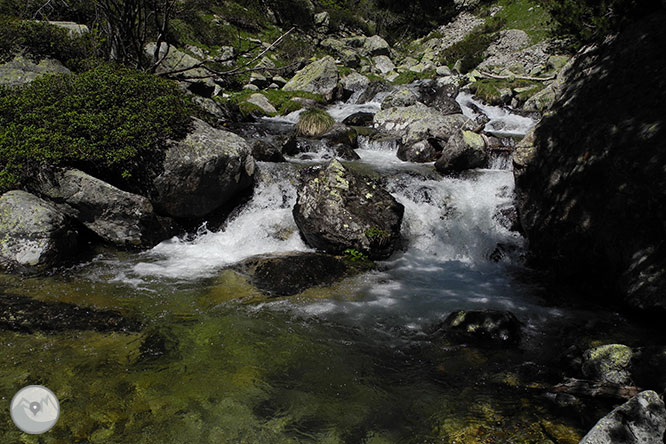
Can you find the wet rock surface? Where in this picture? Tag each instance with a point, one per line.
(464, 150)
(23, 314)
(488, 328)
(338, 209)
(288, 275)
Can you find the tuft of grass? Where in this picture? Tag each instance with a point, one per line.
(314, 122)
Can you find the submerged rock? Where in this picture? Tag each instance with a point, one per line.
(421, 151)
(641, 420)
(121, 218)
(338, 209)
(319, 77)
(33, 232)
(482, 327)
(463, 151)
(203, 172)
(19, 313)
(291, 274)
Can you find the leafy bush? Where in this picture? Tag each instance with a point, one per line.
(40, 40)
(589, 20)
(111, 122)
(314, 122)
(469, 51)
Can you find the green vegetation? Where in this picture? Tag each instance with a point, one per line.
(410, 76)
(527, 15)
(109, 121)
(376, 232)
(314, 122)
(353, 255)
(281, 100)
(590, 20)
(470, 50)
(489, 90)
(39, 40)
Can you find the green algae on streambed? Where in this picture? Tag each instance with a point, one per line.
(214, 366)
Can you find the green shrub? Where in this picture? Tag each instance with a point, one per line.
(111, 122)
(589, 20)
(39, 40)
(314, 122)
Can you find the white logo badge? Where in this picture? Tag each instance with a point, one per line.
(35, 409)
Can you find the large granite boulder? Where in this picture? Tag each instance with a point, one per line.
(21, 70)
(641, 420)
(34, 234)
(196, 79)
(419, 122)
(120, 218)
(591, 193)
(463, 151)
(338, 209)
(202, 172)
(441, 97)
(319, 77)
(376, 46)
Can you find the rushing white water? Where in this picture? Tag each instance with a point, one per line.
(263, 225)
(502, 121)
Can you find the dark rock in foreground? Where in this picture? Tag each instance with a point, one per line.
(294, 273)
(641, 420)
(203, 172)
(22, 314)
(267, 152)
(338, 209)
(33, 232)
(482, 327)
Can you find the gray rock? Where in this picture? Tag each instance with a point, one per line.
(376, 46)
(319, 77)
(419, 122)
(440, 97)
(262, 102)
(121, 218)
(608, 363)
(383, 64)
(75, 29)
(464, 150)
(202, 172)
(400, 97)
(33, 232)
(267, 152)
(175, 59)
(20, 70)
(443, 71)
(338, 209)
(354, 82)
(421, 151)
(641, 420)
(482, 327)
(322, 21)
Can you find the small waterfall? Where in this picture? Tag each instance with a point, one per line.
(263, 225)
(502, 122)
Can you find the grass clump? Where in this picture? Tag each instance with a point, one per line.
(314, 122)
(109, 121)
(489, 90)
(411, 76)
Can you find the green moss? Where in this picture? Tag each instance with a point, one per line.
(469, 51)
(281, 100)
(410, 76)
(314, 122)
(489, 90)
